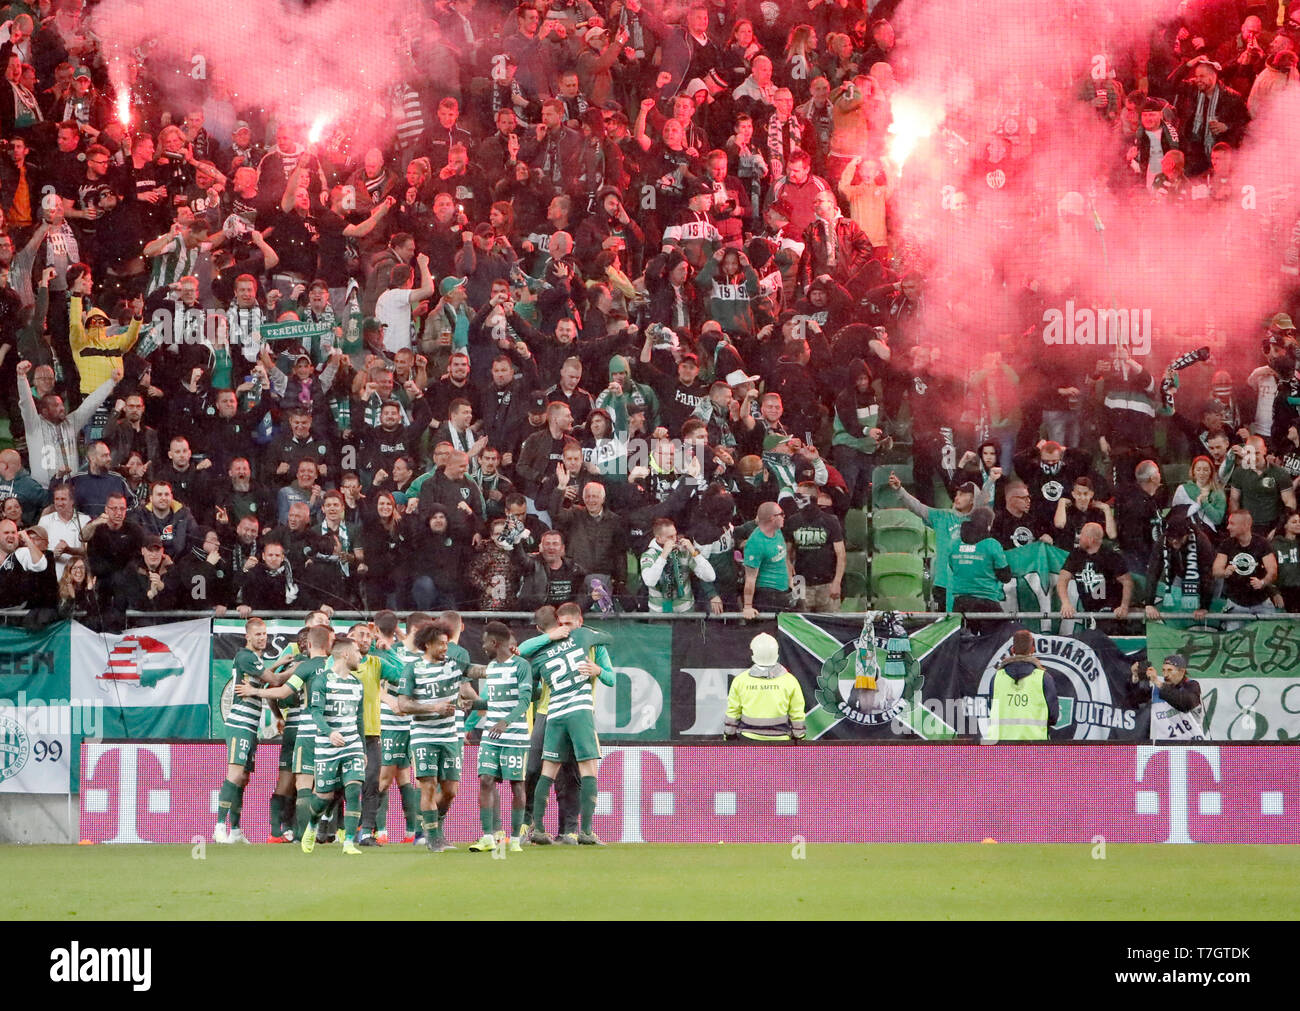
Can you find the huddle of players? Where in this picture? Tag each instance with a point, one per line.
(426, 693)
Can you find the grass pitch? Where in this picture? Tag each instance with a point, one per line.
(80, 883)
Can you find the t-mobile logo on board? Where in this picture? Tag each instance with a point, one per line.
(1084, 325)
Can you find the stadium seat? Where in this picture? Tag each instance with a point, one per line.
(855, 530)
(1174, 474)
(897, 530)
(857, 580)
(901, 604)
(883, 496)
(633, 574)
(897, 576)
(850, 605)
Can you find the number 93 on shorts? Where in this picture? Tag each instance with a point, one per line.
(331, 773)
(502, 763)
(436, 761)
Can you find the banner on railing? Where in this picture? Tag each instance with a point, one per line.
(1250, 678)
(39, 724)
(949, 680)
(151, 681)
(636, 708)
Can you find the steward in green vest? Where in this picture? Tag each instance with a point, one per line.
(1024, 702)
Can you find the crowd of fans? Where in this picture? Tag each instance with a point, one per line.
(622, 284)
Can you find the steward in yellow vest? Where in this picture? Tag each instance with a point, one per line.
(1024, 702)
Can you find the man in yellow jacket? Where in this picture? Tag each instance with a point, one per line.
(766, 701)
(98, 348)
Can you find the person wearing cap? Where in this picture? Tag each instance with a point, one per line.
(1261, 407)
(1279, 74)
(623, 396)
(243, 152)
(1023, 704)
(979, 570)
(595, 61)
(484, 260)
(765, 701)
(450, 315)
(680, 396)
(1176, 711)
(1155, 137)
(692, 230)
(149, 584)
(1210, 112)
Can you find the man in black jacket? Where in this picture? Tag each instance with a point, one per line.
(270, 586)
(504, 406)
(1210, 113)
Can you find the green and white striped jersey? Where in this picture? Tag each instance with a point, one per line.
(509, 690)
(299, 717)
(177, 260)
(556, 665)
(424, 681)
(247, 667)
(336, 698)
(393, 664)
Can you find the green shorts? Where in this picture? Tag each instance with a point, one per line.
(436, 761)
(501, 762)
(571, 738)
(331, 773)
(241, 749)
(395, 748)
(304, 753)
(287, 742)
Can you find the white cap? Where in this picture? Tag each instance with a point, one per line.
(764, 650)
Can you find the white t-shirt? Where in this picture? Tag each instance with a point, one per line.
(59, 530)
(393, 307)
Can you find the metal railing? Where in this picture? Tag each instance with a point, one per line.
(734, 616)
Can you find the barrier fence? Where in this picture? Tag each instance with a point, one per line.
(166, 792)
(172, 680)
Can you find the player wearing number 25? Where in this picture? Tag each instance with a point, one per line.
(1024, 701)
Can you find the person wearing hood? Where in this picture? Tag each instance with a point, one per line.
(858, 432)
(204, 575)
(609, 227)
(1024, 702)
(1279, 74)
(765, 701)
(623, 395)
(979, 568)
(729, 284)
(438, 561)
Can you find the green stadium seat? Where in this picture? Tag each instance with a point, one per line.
(633, 574)
(897, 576)
(1175, 474)
(857, 579)
(901, 604)
(883, 496)
(849, 605)
(897, 530)
(855, 530)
